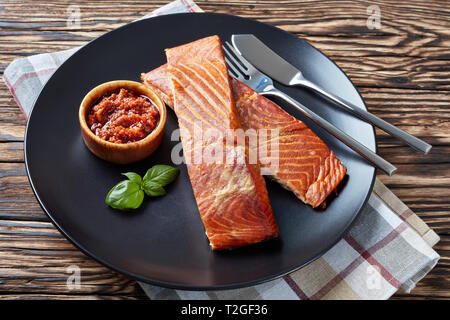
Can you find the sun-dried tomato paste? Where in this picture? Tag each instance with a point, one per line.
(123, 117)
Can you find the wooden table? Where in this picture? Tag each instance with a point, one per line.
(402, 70)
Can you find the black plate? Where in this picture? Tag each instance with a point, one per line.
(164, 243)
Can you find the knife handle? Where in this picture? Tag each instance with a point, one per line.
(362, 150)
(414, 142)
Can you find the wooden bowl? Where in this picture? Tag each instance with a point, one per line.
(122, 152)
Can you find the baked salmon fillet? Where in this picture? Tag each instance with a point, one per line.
(231, 195)
(306, 166)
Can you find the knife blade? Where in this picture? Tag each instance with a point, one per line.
(264, 59)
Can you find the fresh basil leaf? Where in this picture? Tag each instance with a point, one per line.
(125, 195)
(153, 189)
(161, 174)
(133, 177)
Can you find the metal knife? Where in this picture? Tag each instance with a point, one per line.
(270, 63)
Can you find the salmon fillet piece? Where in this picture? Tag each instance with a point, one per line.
(306, 166)
(231, 195)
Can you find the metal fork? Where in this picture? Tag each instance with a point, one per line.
(244, 71)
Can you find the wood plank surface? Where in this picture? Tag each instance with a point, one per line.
(401, 70)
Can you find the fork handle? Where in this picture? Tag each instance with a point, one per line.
(368, 154)
(414, 142)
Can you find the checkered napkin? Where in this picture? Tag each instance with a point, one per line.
(387, 249)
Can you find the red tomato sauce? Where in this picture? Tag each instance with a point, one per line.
(123, 117)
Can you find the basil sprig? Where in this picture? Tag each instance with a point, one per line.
(129, 194)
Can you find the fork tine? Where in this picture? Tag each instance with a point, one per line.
(234, 72)
(237, 73)
(237, 66)
(242, 60)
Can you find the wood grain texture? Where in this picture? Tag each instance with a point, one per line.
(401, 70)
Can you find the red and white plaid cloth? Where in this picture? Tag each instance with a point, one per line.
(387, 249)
